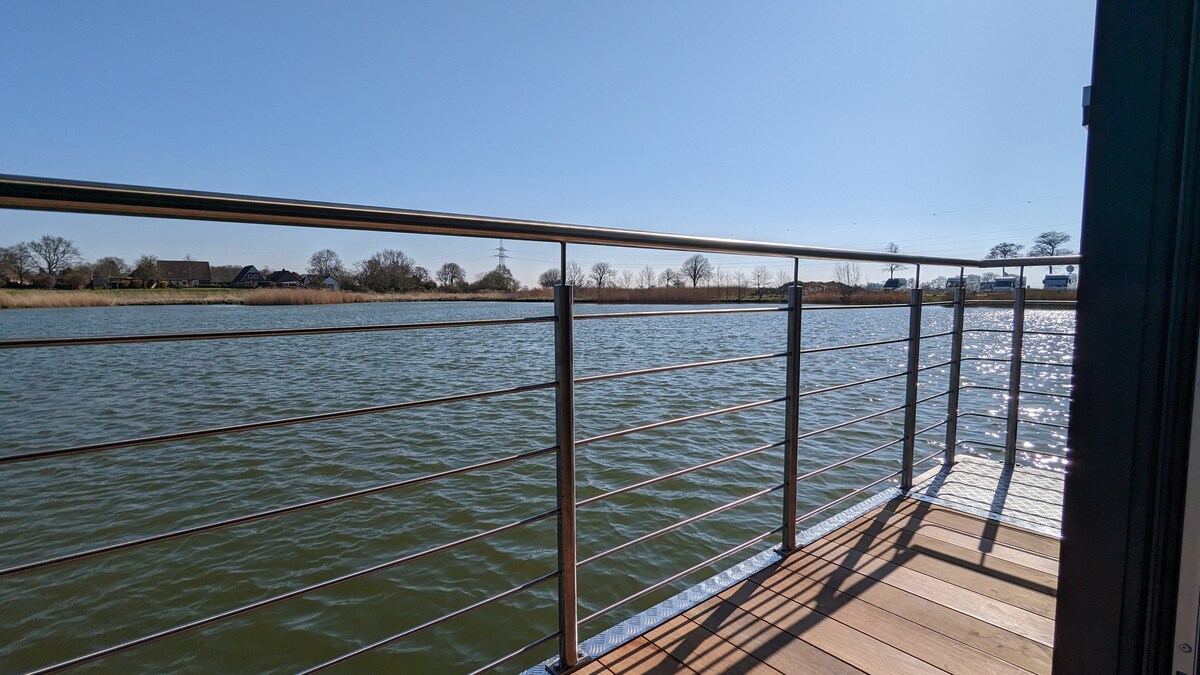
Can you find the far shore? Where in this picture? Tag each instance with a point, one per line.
(35, 299)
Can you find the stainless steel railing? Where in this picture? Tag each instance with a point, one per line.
(29, 193)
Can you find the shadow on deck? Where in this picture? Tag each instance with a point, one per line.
(960, 575)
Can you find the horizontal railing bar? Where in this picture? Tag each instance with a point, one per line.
(241, 520)
(676, 312)
(843, 462)
(824, 390)
(936, 335)
(943, 364)
(512, 655)
(267, 602)
(1019, 419)
(1044, 393)
(847, 423)
(47, 194)
(1028, 261)
(931, 397)
(676, 474)
(682, 366)
(823, 308)
(268, 424)
(1049, 332)
(680, 575)
(430, 624)
(987, 330)
(271, 332)
(929, 428)
(985, 415)
(833, 348)
(683, 523)
(678, 420)
(968, 441)
(846, 496)
(926, 458)
(940, 303)
(984, 386)
(987, 358)
(1058, 364)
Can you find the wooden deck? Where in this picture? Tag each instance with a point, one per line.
(908, 588)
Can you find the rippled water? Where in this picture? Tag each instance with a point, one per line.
(59, 397)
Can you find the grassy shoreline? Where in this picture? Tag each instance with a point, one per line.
(46, 299)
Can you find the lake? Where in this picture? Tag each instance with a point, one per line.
(59, 397)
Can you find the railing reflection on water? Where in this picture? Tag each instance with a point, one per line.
(567, 503)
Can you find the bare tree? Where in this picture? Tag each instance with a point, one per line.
(17, 260)
(670, 277)
(850, 276)
(782, 278)
(891, 268)
(575, 274)
(696, 268)
(326, 263)
(550, 277)
(761, 277)
(56, 253)
(602, 273)
(452, 275)
(741, 281)
(646, 277)
(626, 277)
(110, 266)
(1050, 243)
(1005, 249)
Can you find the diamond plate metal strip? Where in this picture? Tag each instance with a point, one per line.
(672, 607)
(990, 515)
(1028, 498)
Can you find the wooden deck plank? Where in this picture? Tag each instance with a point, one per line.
(1014, 619)
(1006, 582)
(767, 643)
(703, 650)
(986, 637)
(995, 550)
(641, 657)
(889, 593)
(907, 635)
(591, 668)
(931, 514)
(830, 635)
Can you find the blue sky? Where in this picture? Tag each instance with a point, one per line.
(830, 124)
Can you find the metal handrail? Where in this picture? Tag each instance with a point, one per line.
(514, 654)
(266, 424)
(48, 194)
(848, 495)
(857, 345)
(677, 312)
(678, 420)
(836, 387)
(1024, 420)
(1044, 393)
(682, 366)
(429, 624)
(276, 599)
(270, 513)
(676, 474)
(847, 460)
(270, 332)
(825, 308)
(856, 420)
(1050, 332)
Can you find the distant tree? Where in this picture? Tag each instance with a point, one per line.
(1005, 249)
(76, 277)
(670, 278)
(782, 278)
(697, 268)
(742, 282)
(451, 275)
(550, 277)
(575, 274)
(17, 262)
(646, 277)
(326, 263)
(626, 279)
(56, 253)
(387, 270)
(110, 266)
(499, 279)
(602, 273)
(987, 276)
(761, 277)
(1050, 243)
(891, 268)
(223, 274)
(422, 279)
(935, 284)
(849, 275)
(145, 270)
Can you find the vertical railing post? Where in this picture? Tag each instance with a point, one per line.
(910, 389)
(956, 347)
(791, 448)
(564, 420)
(1014, 372)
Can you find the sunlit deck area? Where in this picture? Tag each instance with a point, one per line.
(922, 583)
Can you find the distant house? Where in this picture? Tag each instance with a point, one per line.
(283, 278)
(249, 277)
(185, 272)
(310, 280)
